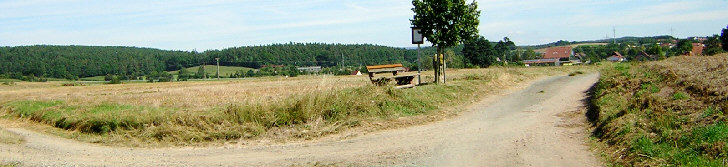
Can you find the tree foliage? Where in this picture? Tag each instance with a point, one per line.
(724, 38)
(684, 46)
(446, 23)
(72, 62)
(712, 46)
(479, 52)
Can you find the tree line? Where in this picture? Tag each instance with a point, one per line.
(74, 62)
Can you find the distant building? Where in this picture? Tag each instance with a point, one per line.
(312, 69)
(697, 49)
(356, 72)
(562, 52)
(644, 56)
(562, 55)
(616, 57)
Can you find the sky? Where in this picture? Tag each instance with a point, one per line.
(217, 24)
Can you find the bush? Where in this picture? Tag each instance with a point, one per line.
(115, 80)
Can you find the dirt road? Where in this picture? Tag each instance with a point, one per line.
(539, 125)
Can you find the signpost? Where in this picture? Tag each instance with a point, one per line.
(418, 39)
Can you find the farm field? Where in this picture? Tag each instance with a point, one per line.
(267, 108)
(514, 124)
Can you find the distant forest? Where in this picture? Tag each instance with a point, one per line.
(72, 62)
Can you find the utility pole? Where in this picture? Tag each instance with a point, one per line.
(671, 31)
(218, 67)
(614, 32)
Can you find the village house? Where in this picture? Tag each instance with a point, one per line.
(616, 57)
(562, 55)
(311, 69)
(697, 49)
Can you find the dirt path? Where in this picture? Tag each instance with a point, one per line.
(540, 125)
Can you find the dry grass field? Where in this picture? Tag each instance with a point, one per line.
(268, 108)
(191, 95)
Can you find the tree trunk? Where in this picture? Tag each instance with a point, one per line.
(436, 64)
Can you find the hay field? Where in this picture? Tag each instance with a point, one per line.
(267, 108)
(200, 95)
(191, 95)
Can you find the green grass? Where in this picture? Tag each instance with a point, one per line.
(100, 119)
(10, 80)
(212, 69)
(95, 78)
(10, 164)
(644, 126)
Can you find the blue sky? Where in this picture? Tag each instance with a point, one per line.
(218, 24)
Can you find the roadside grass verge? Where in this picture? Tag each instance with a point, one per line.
(298, 116)
(664, 113)
(10, 164)
(7, 137)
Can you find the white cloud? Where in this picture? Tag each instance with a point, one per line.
(215, 24)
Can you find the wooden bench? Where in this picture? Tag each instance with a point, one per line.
(403, 81)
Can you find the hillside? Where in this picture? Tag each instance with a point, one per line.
(73, 62)
(663, 113)
(542, 50)
(87, 61)
(652, 39)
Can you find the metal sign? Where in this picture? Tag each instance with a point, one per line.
(417, 37)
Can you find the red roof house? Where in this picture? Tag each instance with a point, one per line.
(616, 57)
(558, 52)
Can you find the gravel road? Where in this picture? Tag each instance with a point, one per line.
(541, 124)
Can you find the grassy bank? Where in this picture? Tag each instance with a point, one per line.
(664, 113)
(299, 115)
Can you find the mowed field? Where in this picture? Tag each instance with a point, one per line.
(190, 95)
(262, 109)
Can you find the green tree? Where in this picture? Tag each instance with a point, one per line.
(712, 45)
(115, 80)
(165, 77)
(445, 23)
(529, 54)
(479, 52)
(201, 73)
(656, 50)
(250, 73)
(183, 75)
(292, 71)
(108, 77)
(152, 76)
(683, 47)
(503, 49)
(724, 38)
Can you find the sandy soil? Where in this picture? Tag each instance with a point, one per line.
(541, 124)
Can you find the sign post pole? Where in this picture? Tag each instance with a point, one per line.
(418, 39)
